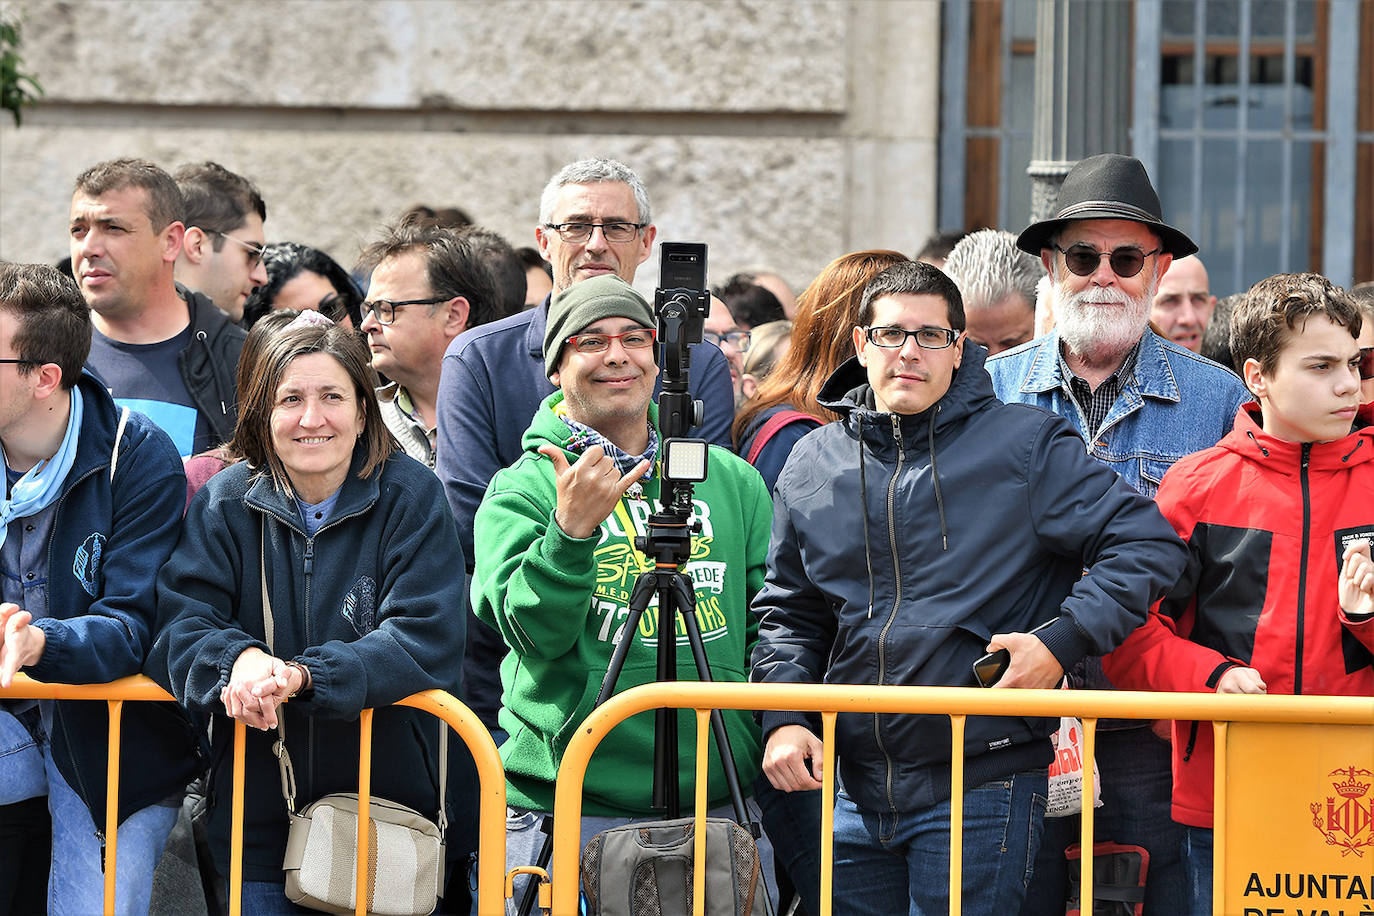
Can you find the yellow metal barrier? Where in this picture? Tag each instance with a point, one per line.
(491, 781)
(957, 703)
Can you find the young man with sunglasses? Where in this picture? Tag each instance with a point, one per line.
(1140, 402)
(933, 524)
(556, 562)
(160, 348)
(428, 285)
(221, 252)
(1278, 596)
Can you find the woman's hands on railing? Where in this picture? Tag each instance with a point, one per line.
(258, 684)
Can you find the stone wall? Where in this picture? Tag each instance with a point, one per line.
(782, 132)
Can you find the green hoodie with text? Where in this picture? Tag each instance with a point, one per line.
(559, 603)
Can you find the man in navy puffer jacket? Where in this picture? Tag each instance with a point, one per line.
(931, 525)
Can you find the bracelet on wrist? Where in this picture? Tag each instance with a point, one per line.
(307, 683)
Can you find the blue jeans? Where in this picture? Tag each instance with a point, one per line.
(792, 821)
(267, 898)
(1197, 862)
(1137, 786)
(889, 864)
(76, 880)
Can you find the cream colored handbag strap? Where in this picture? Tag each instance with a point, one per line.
(288, 776)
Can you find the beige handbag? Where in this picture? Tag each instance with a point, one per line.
(405, 848)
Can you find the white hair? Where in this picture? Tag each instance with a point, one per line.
(1089, 330)
(593, 171)
(987, 267)
(1044, 305)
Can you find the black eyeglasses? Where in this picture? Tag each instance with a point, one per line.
(894, 338)
(1366, 363)
(254, 250)
(740, 339)
(581, 232)
(1126, 262)
(386, 311)
(16, 362)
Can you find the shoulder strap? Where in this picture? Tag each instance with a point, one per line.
(288, 776)
(770, 428)
(119, 434)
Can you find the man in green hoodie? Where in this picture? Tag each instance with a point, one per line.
(555, 562)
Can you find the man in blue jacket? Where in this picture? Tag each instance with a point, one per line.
(929, 526)
(594, 219)
(91, 509)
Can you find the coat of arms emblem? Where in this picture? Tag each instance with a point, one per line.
(1346, 819)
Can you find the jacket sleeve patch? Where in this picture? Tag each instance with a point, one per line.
(86, 563)
(360, 606)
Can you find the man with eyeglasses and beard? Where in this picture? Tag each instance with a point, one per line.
(556, 563)
(1140, 402)
(160, 348)
(594, 220)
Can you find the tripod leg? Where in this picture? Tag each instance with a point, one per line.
(639, 600)
(685, 597)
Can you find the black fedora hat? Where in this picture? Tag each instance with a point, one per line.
(1108, 186)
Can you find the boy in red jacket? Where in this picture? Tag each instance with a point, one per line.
(1278, 594)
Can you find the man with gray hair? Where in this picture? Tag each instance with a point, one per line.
(997, 282)
(594, 220)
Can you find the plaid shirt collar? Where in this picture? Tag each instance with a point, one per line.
(1097, 404)
(584, 437)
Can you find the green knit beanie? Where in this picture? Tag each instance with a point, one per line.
(586, 303)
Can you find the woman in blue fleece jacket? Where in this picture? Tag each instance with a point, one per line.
(358, 552)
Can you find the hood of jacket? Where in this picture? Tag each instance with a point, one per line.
(848, 393)
(1249, 440)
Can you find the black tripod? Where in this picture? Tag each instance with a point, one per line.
(668, 543)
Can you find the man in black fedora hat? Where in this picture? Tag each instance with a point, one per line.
(1140, 402)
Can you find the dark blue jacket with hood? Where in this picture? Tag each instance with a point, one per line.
(109, 539)
(902, 543)
(372, 605)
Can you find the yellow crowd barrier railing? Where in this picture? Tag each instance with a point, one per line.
(491, 781)
(956, 702)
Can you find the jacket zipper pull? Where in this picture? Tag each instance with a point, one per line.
(309, 554)
(897, 433)
(100, 835)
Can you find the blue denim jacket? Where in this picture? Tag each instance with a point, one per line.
(1174, 404)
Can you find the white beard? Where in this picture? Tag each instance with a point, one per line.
(1101, 323)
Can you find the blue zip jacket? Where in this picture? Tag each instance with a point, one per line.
(108, 541)
(1191, 403)
(901, 544)
(372, 605)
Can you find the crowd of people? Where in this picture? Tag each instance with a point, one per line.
(288, 491)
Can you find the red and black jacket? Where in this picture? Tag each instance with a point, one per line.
(1266, 522)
